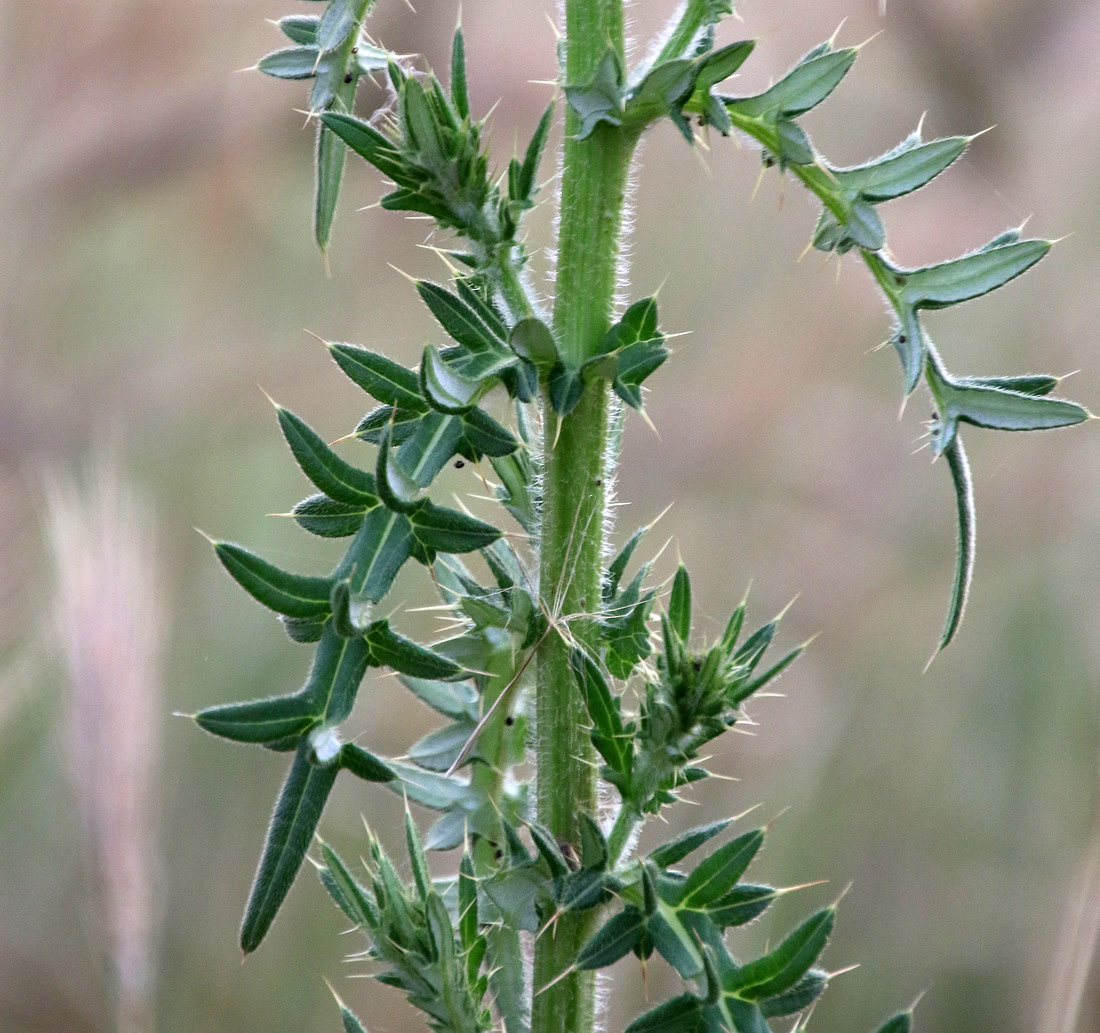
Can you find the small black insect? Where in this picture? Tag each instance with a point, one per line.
(348, 78)
(459, 464)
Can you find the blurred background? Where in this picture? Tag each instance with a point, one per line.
(157, 264)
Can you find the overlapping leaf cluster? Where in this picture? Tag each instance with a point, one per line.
(455, 946)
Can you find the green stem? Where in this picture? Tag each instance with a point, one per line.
(594, 184)
(690, 23)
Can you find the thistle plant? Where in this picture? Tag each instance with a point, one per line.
(563, 661)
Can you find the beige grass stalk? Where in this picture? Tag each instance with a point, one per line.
(109, 620)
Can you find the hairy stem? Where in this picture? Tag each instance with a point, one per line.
(594, 182)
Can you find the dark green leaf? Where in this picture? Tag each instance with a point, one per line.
(482, 435)
(679, 604)
(533, 156)
(260, 720)
(368, 143)
(328, 518)
(381, 378)
(719, 872)
(800, 996)
(458, 318)
(964, 551)
(614, 939)
(349, 895)
(336, 478)
(376, 554)
(672, 852)
(363, 764)
(780, 970)
(459, 95)
(683, 1014)
(565, 388)
(289, 594)
(443, 387)
(603, 710)
(295, 819)
(335, 675)
(447, 530)
(804, 87)
(741, 905)
(902, 170)
(432, 444)
(971, 276)
(388, 649)
(900, 1023)
(303, 629)
(531, 339)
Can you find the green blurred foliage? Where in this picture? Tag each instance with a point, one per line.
(158, 264)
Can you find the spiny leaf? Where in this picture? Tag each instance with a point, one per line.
(388, 649)
(259, 720)
(337, 22)
(614, 939)
(291, 63)
(300, 28)
(459, 94)
(328, 518)
(677, 849)
(331, 474)
(683, 1014)
(368, 143)
(447, 530)
(297, 813)
(902, 170)
(902, 1022)
(718, 873)
(964, 552)
(376, 554)
(679, 604)
(603, 709)
(457, 317)
(781, 969)
(600, 100)
(289, 594)
(382, 378)
(799, 997)
(804, 87)
(335, 675)
(982, 271)
(364, 764)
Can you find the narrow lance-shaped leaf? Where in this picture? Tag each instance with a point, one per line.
(902, 171)
(378, 551)
(459, 94)
(335, 675)
(328, 518)
(781, 969)
(388, 649)
(971, 276)
(335, 477)
(260, 720)
(300, 28)
(297, 813)
(679, 604)
(339, 19)
(804, 87)
(603, 709)
(964, 549)
(382, 378)
(677, 849)
(346, 891)
(457, 317)
(368, 143)
(291, 63)
(614, 939)
(720, 871)
(900, 1023)
(290, 594)
(799, 997)
(683, 1014)
(364, 764)
(447, 530)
